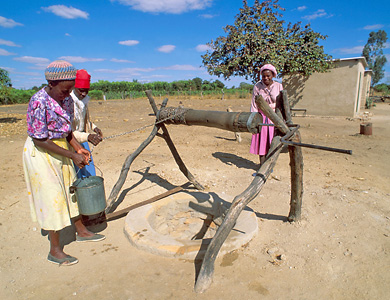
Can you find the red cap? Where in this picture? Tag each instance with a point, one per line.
(82, 79)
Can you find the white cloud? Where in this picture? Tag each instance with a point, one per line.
(182, 68)
(301, 8)
(41, 66)
(166, 6)
(5, 52)
(67, 34)
(121, 60)
(79, 59)
(8, 23)
(8, 43)
(166, 48)
(27, 73)
(203, 48)
(353, 50)
(66, 12)
(10, 70)
(129, 43)
(373, 27)
(156, 76)
(33, 60)
(207, 16)
(318, 14)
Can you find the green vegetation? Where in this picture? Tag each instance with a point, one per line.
(195, 87)
(382, 88)
(373, 52)
(5, 86)
(258, 37)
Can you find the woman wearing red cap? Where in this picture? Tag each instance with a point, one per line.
(83, 129)
(48, 160)
(269, 90)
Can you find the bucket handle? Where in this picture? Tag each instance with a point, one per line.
(73, 188)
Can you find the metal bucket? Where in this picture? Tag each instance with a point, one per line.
(90, 195)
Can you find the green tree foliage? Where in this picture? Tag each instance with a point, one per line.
(246, 86)
(257, 37)
(5, 86)
(382, 88)
(373, 52)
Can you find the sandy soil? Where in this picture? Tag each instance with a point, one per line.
(339, 250)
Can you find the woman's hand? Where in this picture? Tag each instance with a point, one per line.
(81, 158)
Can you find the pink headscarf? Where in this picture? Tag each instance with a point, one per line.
(269, 67)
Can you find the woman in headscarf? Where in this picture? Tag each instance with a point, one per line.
(269, 90)
(83, 129)
(48, 160)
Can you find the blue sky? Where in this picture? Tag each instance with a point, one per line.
(158, 40)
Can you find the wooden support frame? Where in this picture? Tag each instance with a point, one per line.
(282, 121)
(204, 278)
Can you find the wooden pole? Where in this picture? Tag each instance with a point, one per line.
(170, 144)
(122, 212)
(296, 166)
(236, 134)
(296, 158)
(206, 272)
(125, 170)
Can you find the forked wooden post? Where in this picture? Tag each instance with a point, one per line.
(296, 166)
(206, 272)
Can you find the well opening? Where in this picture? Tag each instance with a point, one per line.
(182, 225)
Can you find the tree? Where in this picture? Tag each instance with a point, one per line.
(373, 52)
(219, 84)
(5, 85)
(198, 83)
(258, 37)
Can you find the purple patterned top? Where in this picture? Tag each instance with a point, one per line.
(48, 119)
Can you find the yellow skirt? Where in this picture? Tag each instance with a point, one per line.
(48, 177)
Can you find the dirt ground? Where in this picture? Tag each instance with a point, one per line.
(339, 250)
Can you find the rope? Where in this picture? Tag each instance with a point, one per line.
(171, 116)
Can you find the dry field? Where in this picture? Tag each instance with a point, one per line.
(339, 250)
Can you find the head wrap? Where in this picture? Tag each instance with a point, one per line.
(82, 79)
(60, 70)
(270, 68)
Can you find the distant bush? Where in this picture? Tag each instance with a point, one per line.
(382, 88)
(14, 96)
(96, 95)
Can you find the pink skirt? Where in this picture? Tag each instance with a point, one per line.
(261, 142)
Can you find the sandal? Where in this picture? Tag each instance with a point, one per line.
(93, 238)
(66, 261)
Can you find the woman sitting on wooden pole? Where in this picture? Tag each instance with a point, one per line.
(269, 90)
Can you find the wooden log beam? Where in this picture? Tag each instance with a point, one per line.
(231, 121)
(206, 272)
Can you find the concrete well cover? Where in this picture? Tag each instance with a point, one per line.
(183, 225)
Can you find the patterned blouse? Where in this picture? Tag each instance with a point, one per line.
(48, 119)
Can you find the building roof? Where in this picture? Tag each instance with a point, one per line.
(361, 58)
